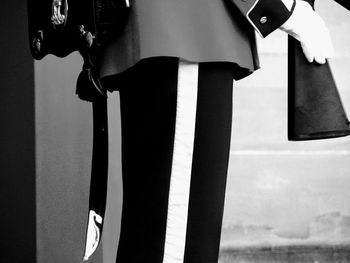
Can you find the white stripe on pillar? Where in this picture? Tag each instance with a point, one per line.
(180, 180)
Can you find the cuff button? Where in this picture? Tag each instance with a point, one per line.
(263, 20)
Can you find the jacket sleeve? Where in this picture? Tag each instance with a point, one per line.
(265, 15)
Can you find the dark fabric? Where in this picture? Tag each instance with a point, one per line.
(344, 3)
(275, 16)
(210, 163)
(148, 97)
(195, 30)
(148, 111)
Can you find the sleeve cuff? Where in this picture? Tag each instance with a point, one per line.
(265, 19)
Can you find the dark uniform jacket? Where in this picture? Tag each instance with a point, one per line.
(195, 30)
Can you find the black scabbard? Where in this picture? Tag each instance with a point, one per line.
(99, 166)
(99, 175)
(315, 110)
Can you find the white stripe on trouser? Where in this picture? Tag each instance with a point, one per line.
(180, 180)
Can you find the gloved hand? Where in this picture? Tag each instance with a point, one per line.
(308, 27)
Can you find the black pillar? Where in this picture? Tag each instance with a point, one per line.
(17, 145)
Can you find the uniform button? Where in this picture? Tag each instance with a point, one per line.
(263, 20)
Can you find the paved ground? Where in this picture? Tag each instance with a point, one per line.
(300, 254)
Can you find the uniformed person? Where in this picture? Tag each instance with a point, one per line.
(174, 65)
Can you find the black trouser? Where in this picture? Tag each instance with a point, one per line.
(176, 128)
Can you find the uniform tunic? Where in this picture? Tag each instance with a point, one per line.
(194, 30)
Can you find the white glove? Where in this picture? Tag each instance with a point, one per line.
(308, 27)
